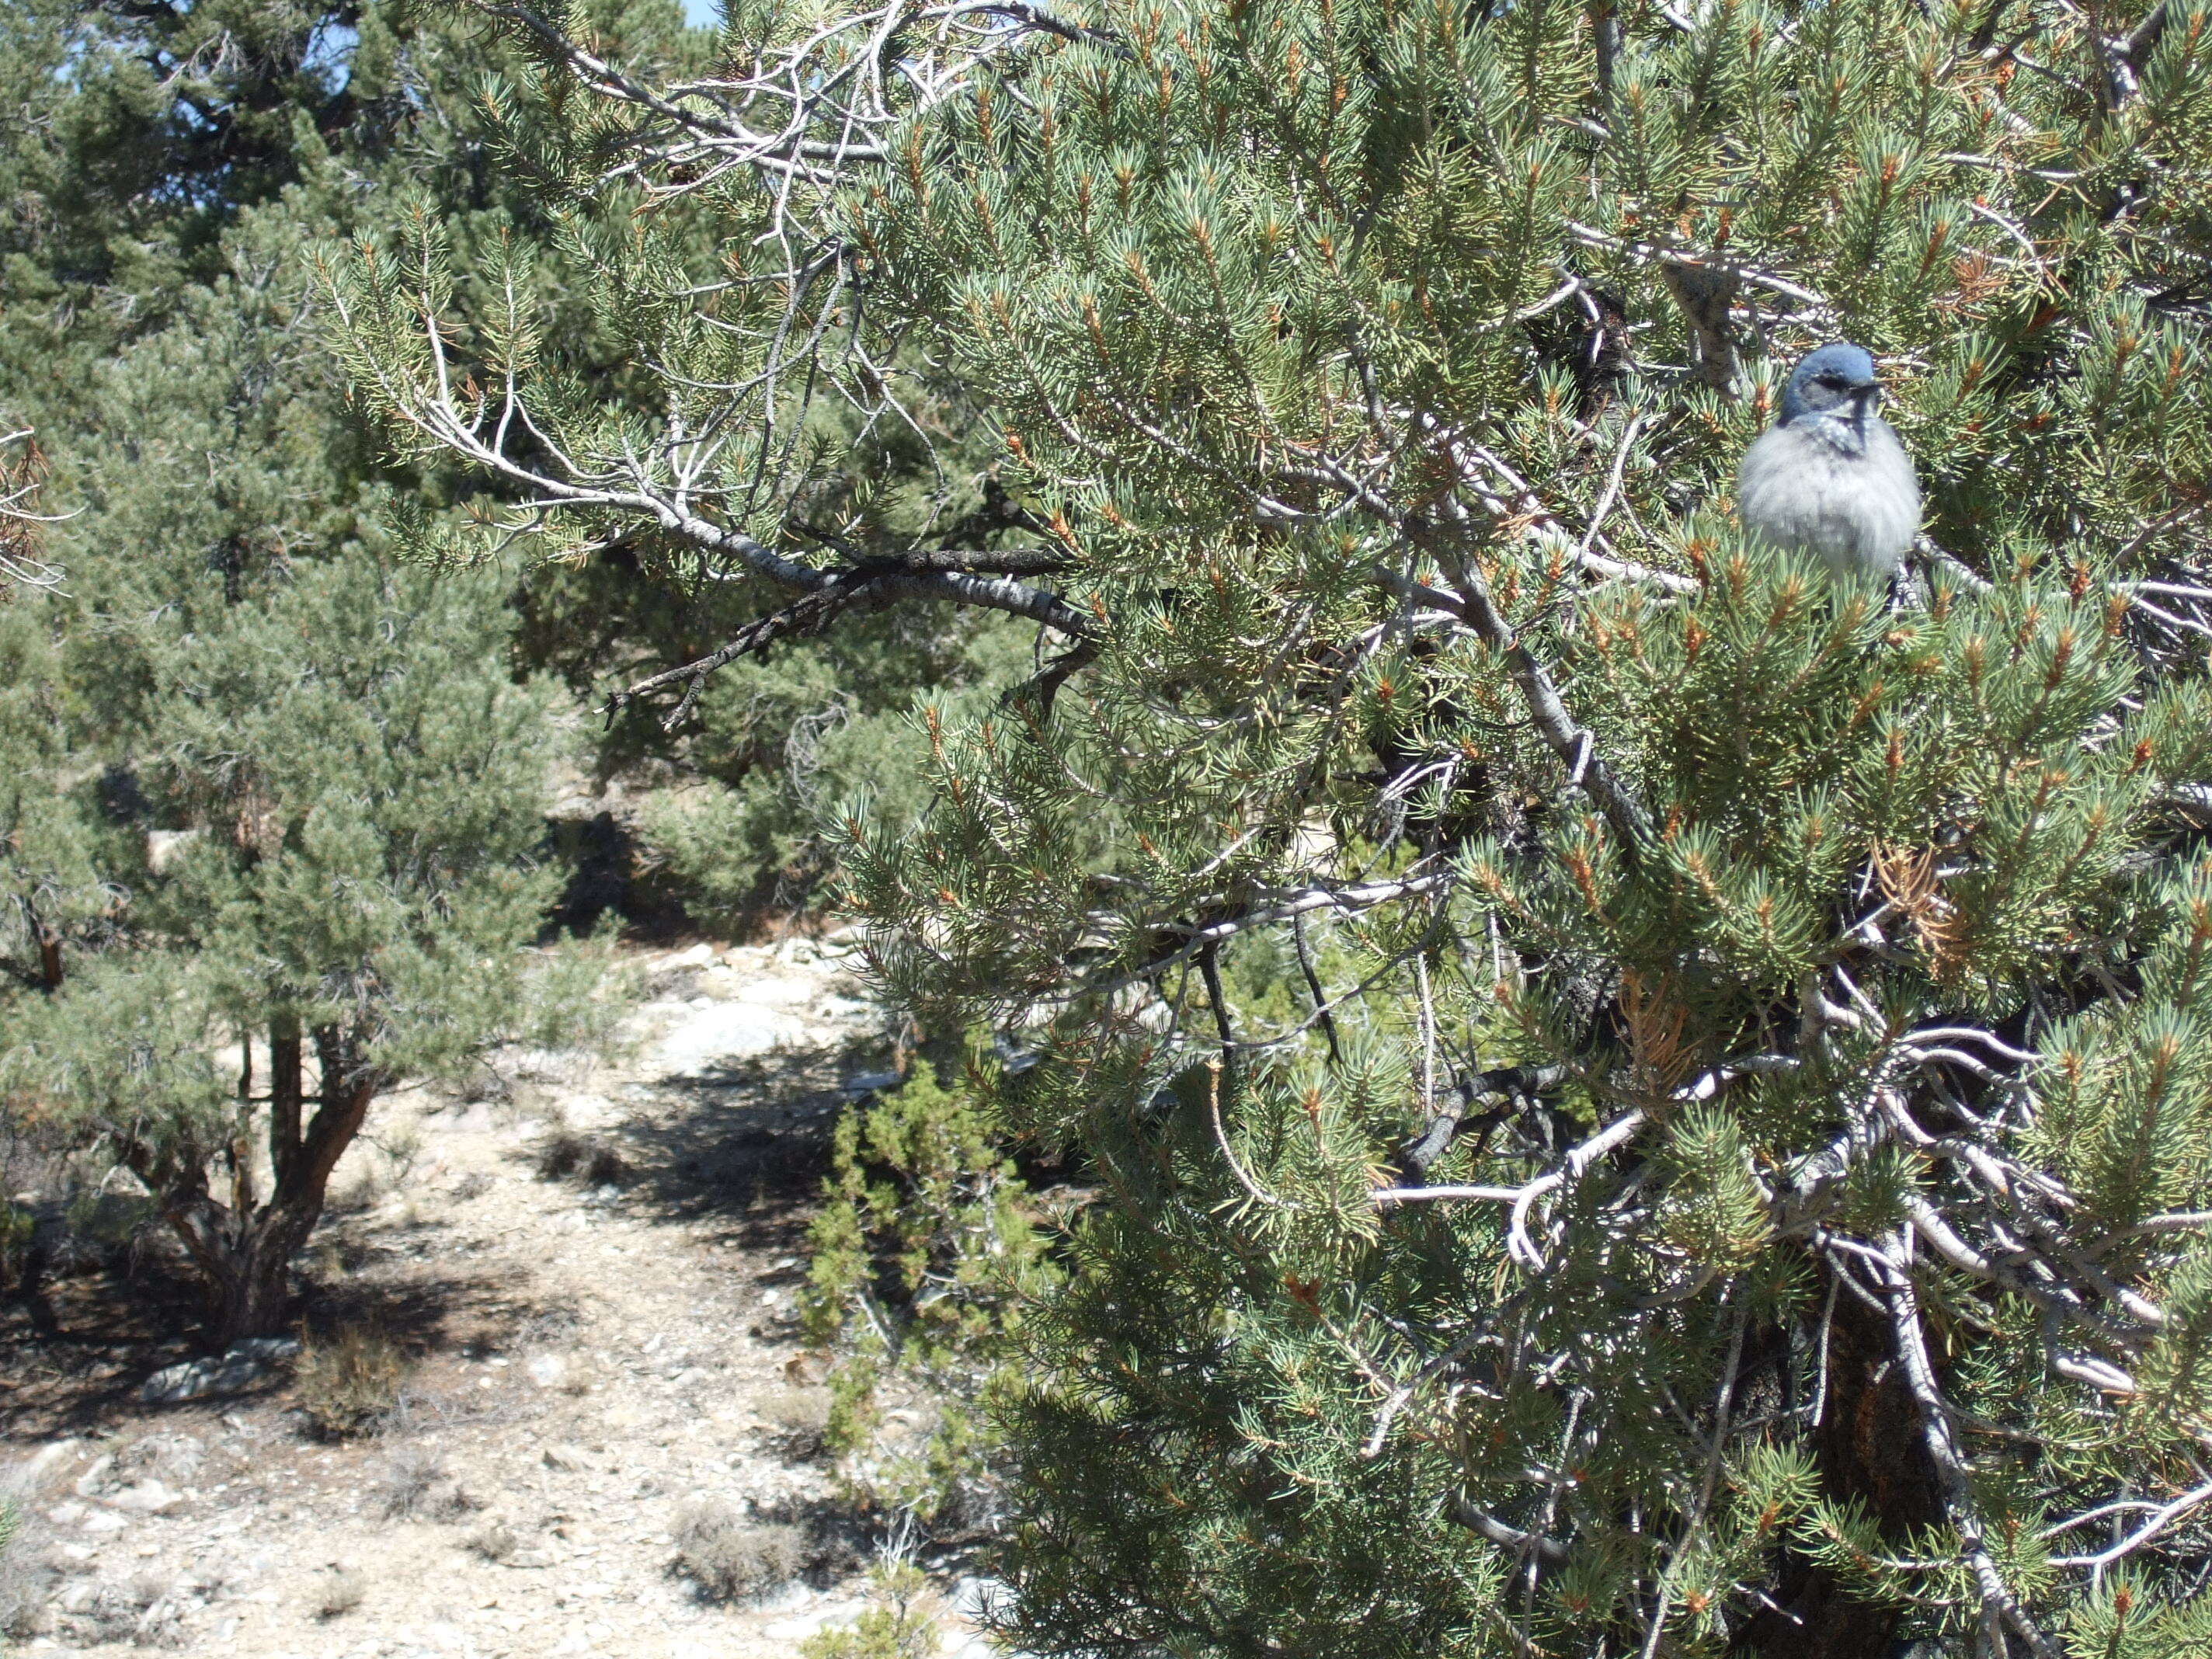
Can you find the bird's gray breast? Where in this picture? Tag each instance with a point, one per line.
(1858, 509)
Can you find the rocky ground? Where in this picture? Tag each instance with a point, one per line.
(591, 1271)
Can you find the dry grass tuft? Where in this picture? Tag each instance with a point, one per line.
(26, 1569)
(349, 1383)
(797, 1420)
(415, 1486)
(567, 1154)
(729, 1556)
(341, 1592)
(495, 1540)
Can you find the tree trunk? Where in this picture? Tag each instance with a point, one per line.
(1868, 1446)
(285, 1093)
(246, 1257)
(52, 970)
(31, 1289)
(252, 1297)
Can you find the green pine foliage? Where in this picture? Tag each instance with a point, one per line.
(924, 1254)
(357, 887)
(57, 898)
(738, 833)
(777, 745)
(274, 804)
(1735, 1178)
(901, 1624)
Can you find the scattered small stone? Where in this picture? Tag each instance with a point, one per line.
(146, 1497)
(795, 1629)
(35, 1468)
(567, 1458)
(244, 1363)
(789, 1599)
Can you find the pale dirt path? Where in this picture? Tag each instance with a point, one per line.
(591, 1358)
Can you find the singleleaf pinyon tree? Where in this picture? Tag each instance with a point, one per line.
(50, 891)
(1737, 1179)
(345, 782)
(350, 901)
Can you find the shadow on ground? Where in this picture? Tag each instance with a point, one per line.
(74, 1350)
(737, 1148)
(77, 1366)
(748, 1147)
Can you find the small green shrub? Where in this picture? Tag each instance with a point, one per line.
(349, 1383)
(102, 1221)
(402, 1146)
(902, 1624)
(922, 1258)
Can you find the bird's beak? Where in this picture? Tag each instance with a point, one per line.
(1867, 394)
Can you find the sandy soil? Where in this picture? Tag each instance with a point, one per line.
(589, 1353)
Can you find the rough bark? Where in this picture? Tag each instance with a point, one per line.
(1869, 1446)
(285, 1092)
(252, 1295)
(245, 1251)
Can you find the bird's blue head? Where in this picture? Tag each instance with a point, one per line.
(1837, 380)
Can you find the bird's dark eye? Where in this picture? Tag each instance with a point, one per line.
(1833, 382)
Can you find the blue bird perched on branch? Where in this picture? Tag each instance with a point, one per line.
(1830, 477)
